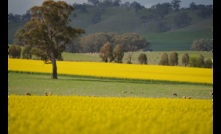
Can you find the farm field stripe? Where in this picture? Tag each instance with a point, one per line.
(92, 115)
(97, 69)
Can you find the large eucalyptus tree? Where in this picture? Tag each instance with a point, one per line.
(48, 30)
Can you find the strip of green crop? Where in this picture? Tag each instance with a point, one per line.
(115, 79)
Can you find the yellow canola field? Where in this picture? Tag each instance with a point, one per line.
(98, 69)
(100, 115)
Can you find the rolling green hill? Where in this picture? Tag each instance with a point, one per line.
(181, 39)
(12, 27)
(123, 20)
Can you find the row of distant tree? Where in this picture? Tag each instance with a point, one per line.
(101, 42)
(173, 60)
(17, 18)
(109, 54)
(174, 5)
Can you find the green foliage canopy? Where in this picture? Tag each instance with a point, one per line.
(48, 30)
(173, 59)
(118, 53)
(185, 59)
(142, 58)
(202, 45)
(106, 52)
(164, 59)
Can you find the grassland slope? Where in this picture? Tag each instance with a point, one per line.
(123, 20)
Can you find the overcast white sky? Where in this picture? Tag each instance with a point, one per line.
(21, 6)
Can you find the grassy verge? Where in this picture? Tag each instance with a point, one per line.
(38, 84)
(113, 79)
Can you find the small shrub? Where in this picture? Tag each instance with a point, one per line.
(174, 59)
(208, 63)
(197, 62)
(185, 59)
(142, 58)
(164, 59)
(106, 52)
(15, 51)
(118, 53)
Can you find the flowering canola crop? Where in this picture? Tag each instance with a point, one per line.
(100, 115)
(113, 70)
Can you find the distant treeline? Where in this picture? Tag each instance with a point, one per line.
(157, 11)
(93, 42)
(115, 54)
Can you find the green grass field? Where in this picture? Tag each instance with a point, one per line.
(38, 84)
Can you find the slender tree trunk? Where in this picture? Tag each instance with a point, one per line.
(54, 66)
(130, 56)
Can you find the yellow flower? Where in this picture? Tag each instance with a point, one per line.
(113, 70)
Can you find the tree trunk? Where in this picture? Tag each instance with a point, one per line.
(54, 66)
(130, 56)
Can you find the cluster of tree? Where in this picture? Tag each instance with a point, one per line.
(114, 3)
(173, 60)
(175, 4)
(15, 51)
(204, 11)
(93, 42)
(200, 62)
(179, 17)
(186, 60)
(100, 7)
(108, 54)
(105, 3)
(202, 45)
